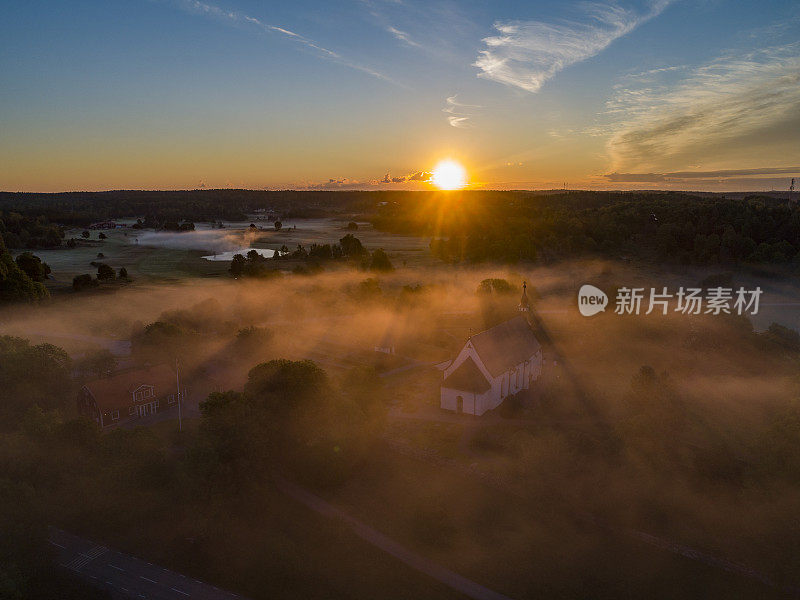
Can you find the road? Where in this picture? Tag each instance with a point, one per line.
(453, 580)
(126, 576)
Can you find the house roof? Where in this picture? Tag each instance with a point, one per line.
(468, 378)
(506, 345)
(114, 392)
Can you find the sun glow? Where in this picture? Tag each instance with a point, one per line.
(449, 175)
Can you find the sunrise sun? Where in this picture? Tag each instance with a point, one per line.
(449, 175)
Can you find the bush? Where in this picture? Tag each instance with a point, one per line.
(380, 261)
(83, 282)
(495, 286)
(105, 273)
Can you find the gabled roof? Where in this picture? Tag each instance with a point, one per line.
(467, 378)
(506, 345)
(114, 392)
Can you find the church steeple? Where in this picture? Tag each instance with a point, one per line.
(524, 303)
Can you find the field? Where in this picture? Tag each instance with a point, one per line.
(180, 256)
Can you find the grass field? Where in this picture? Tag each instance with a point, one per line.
(151, 263)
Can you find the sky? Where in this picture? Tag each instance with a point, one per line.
(371, 94)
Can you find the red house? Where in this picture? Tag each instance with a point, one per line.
(129, 395)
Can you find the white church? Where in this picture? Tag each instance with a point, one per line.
(493, 365)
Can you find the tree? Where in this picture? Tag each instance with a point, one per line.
(233, 441)
(283, 385)
(123, 274)
(100, 362)
(33, 266)
(15, 284)
(102, 236)
(495, 286)
(238, 265)
(291, 414)
(278, 225)
(351, 246)
(31, 376)
(352, 226)
(71, 243)
(380, 261)
(83, 282)
(105, 273)
(251, 339)
(85, 234)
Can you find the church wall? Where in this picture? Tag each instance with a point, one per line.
(471, 402)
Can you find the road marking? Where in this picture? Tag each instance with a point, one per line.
(116, 567)
(146, 579)
(179, 591)
(84, 558)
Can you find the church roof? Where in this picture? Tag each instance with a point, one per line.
(467, 378)
(506, 345)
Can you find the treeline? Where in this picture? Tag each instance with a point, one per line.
(313, 259)
(667, 227)
(84, 208)
(25, 231)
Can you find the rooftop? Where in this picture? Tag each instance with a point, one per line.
(505, 345)
(115, 392)
(467, 378)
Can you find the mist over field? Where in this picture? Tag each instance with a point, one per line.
(641, 425)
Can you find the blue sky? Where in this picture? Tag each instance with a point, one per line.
(182, 93)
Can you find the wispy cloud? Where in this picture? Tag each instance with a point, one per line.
(234, 17)
(525, 54)
(402, 36)
(680, 176)
(721, 113)
(459, 115)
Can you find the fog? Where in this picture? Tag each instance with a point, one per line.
(213, 240)
(600, 452)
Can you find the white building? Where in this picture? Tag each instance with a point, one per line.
(493, 365)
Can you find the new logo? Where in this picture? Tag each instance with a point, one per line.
(591, 300)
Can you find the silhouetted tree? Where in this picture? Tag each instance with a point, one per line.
(105, 273)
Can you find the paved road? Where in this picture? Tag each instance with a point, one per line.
(126, 576)
(449, 578)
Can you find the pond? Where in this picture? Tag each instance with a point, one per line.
(228, 256)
